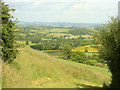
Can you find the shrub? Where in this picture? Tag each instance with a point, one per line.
(109, 38)
(9, 51)
(78, 56)
(38, 47)
(66, 50)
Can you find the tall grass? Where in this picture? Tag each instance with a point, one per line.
(34, 69)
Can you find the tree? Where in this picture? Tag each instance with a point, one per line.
(8, 34)
(78, 56)
(27, 42)
(66, 49)
(109, 48)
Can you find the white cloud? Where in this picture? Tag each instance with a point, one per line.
(81, 5)
(82, 11)
(58, 6)
(37, 4)
(78, 8)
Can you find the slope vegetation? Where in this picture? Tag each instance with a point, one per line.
(34, 69)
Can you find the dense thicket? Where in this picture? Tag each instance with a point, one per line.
(109, 38)
(8, 33)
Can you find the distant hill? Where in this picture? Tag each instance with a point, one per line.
(59, 24)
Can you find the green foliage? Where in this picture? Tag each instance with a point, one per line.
(66, 50)
(39, 47)
(109, 38)
(78, 56)
(27, 42)
(52, 36)
(8, 34)
(79, 31)
(92, 62)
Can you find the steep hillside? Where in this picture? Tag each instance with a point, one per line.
(34, 69)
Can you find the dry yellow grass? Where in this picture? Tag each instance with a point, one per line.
(49, 50)
(54, 30)
(33, 30)
(57, 34)
(22, 34)
(32, 33)
(72, 36)
(59, 30)
(21, 42)
(86, 36)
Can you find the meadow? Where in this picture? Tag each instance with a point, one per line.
(34, 69)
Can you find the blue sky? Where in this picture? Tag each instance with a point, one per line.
(78, 11)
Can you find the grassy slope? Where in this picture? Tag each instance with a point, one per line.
(35, 69)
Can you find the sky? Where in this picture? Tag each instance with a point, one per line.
(74, 11)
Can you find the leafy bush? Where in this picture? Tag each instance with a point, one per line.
(66, 51)
(38, 47)
(78, 56)
(109, 38)
(8, 33)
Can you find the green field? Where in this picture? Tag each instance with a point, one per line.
(88, 47)
(58, 53)
(34, 69)
(54, 53)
